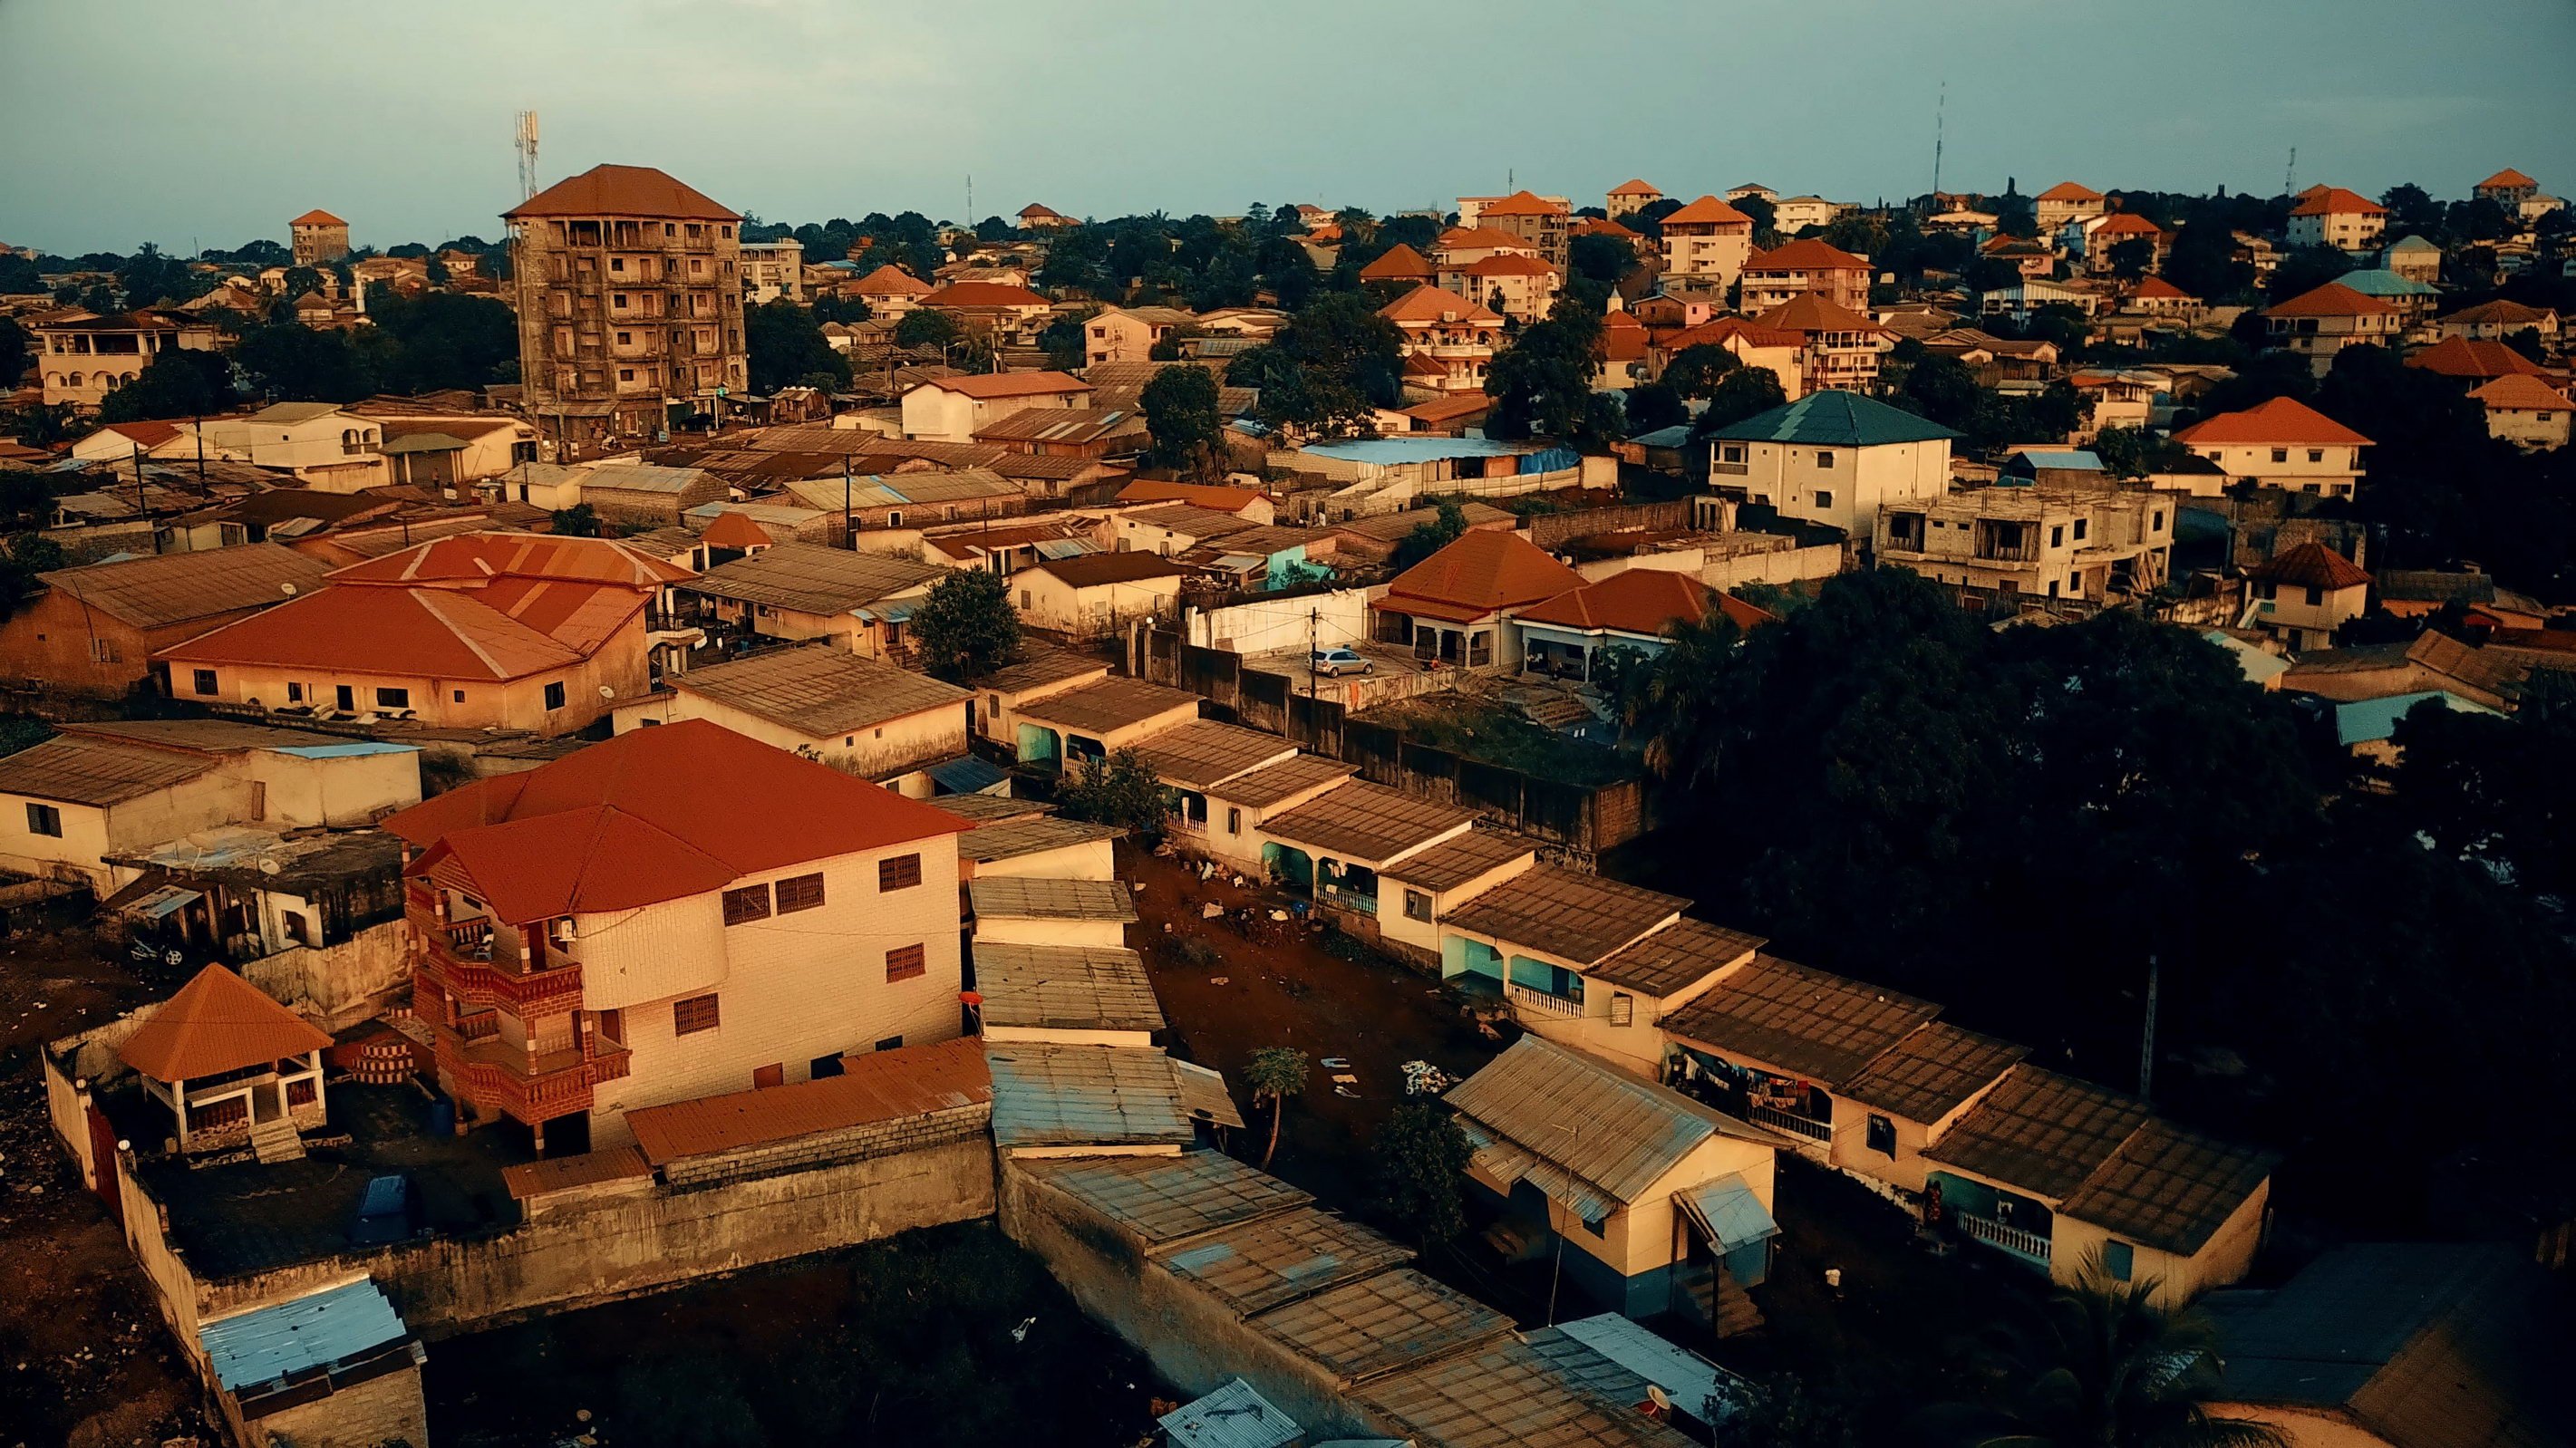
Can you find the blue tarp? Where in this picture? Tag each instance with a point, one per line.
(2367, 721)
(1391, 451)
(965, 774)
(1734, 1216)
(269, 1343)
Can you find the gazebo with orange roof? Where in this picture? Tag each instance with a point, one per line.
(223, 1057)
(737, 532)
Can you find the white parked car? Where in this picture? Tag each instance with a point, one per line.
(1337, 662)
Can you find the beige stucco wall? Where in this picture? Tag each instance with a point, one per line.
(1048, 602)
(1016, 930)
(619, 666)
(868, 752)
(1859, 480)
(1086, 860)
(341, 790)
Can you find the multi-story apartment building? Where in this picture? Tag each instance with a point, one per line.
(1631, 197)
(677, 912)
(2321, 322)
(1449, 340)
(1541, 221)
(1834, 458)
(629, 292)
(1837, 348)
(1707, 243)
(2507, 188)
(1807, 265)
(2332, 216)
(773, 270)
(2103, 544)
(317, 238)
(83, 359)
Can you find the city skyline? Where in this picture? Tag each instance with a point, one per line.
(1036, 108)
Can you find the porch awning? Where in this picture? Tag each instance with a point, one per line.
(1728, 1211)
(162, 903)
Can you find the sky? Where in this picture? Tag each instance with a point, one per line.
(196, 123)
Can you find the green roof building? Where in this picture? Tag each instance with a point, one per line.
(1832, 458)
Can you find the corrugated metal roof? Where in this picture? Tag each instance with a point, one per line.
(1259, 1265)
(964, 775)
(562, 1173)
(1569, 914)
(1610, 1130)
(1205, 752)
(2366, 721)
(1065, 987)
(218, 1022)
(813, 579)
(1690, 1380)
(2040, 1132)
(1365, 822)
(1234, 1416)
(1508, 1396)
(1015, 897)
(818, 689)
(1377, 1325)
(1729, 1210)
(1933, 1072)
(1808, 1022)
(1108, 705)
(1460, 858)
(1682, 953)
(1169, 1198)
(258, 1347)
(1086, 1096)
(1012, 839)
(1835, 419)
(2170, 1188)
(890, 1085)
(88, 770)
(1270, 784)
(174, 588)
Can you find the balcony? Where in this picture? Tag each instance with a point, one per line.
(481, 967)
(2031, 1247)
(1790, 1121)
(1546, 1003)
(496, 1076)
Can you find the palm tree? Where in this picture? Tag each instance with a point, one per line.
(1275, 1073)
(1680, 700)
(2101, 1365)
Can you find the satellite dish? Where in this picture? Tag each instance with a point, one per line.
(1659, 1397)
(287, 588)
(606, 692)
(268, 867)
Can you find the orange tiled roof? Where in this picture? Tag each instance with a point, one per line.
(2521, 392)
(735, 530)
(2508, 177)
(1815, 312)
(1596, 226)
(2460, 357)
(416, 632)
(1398, 263)
(2334, 299)
(1427, 303)
(217, 1022)
(2499, 312)
(1726, 329)
(476, 559)
(2281, 419)
(2158, 287)
(1522, 203)
(1508, 264)
(1642, 601)
(2068, 191)
(623, 191)
(1807, 253)
(144, 434)
(2310, 565)
(1009, 384)
(1478, 572)
(876, 1087)
(1204, 495)
(2127, 223)
(982, 294)
(2329, 200)
(890, 280)
(1467, 238)
(1634, 187)
(1037, 212)
(317, 217)
(653, 815)
(1707, 211)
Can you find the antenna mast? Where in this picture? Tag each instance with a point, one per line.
(1940, 115)
(970, 198)
(527, 143)
(2290, 175)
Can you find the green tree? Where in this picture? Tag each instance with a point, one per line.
(150, 279)
(295, 363)
(1742, 393)
(448, 340)
(22, 557)
(1062, 341)
(1651, 406)
(1446, 524)
(787, 348)
(1329, 368)
(16, 351)
(1275, 1073)
(1417, 1160)
(1603, 259)
(1542, 381)
(966, 627)
(2130, 259)
(1181, 413)
(1118, 788)
(2103, 1366)
(577, 521)
(925, 327)
(1696, 370)
(183, 382)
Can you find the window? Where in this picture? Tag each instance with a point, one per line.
(2057, 535)
(1234, 822)
(554, 695)
(299, 927)
(773, 1074)
(610, 1026)
(204, 680)
(344, 698)
(749, 903)
(898, 872)
(2316, 455)
(2316, 595)
(1417, 905)
(891, 1043)
(1623, 1009)
(1824, 457)
(1824, 498)
(2119, 1259)
(625, 374)
(2280, 454)
(800, 892)
(1882, 1135)
(906, 962)
(295, 693)
(2080, 526)
(824, 1068)
(393, 698)
(457, 695)
(2159, 519)
(625, 339)
(697, 1013)
(617, 299)
(1732, 452)
(44, 819)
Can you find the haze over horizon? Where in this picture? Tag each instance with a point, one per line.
(230, 119)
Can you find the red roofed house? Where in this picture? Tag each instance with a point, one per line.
(1789, 271)
(256, 1066)
(2475, 361)
(2507, 188)
(954, 409)
(317, 238)
(2318, 323)
(2281, 443)
(475, 631)
(889, 291)
(2332, 216)
(1780, 351)
(1522, 288)
(1708, 241)
(2064, 202)
(1000, 310)
(83, 358)
(629, 295)
(1035, 217)
(1623, 350)
(675, 913)
(2105, 235)
(2525, 411)
(1398, 263)
(2494, 321)
(2156, 297)
(2303, 595)
(1539, 220)
(1455, 607)
(1630, 197)
(1838, 347)
(1449, 340)
(1630, 609)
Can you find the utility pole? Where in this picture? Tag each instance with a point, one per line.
(849, 529)
(2147, 1038)
(142, 506)
(199, 423)
(1314, 622)
(1940, 114)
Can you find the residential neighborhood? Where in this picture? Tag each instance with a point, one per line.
(724, 794)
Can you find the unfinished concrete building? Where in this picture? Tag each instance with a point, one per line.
(629, 293)
(2107, 545)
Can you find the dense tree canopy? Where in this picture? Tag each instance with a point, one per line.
(787, 348)
(1542, 381)
(182, 382)
(1181, 413)
(966, 626)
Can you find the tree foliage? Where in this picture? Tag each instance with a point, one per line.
(966, 627)
(578, 521)
(1416, 1164)
(1181, 413)
(925, 327)
(1274, 1074)
(1118, 788)
(786, 348)
(182, 382)
(1742, 393)
(1542, 381)
(1445, 525)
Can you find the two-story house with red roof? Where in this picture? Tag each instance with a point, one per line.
(2067, 201)
(1539, 220)
(1449, 340)
(2318, 323)
(678, 912)
(2332, 216)
(955, 409)
(2282, 443)
(477, 631)
(1787, 272)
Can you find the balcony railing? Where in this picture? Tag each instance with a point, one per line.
(2021, 1242)
(495, 1075)
(1340, 898)
(1544, 1002)
(1791, 1122)
(1732, 470)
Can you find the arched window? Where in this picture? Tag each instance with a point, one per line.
(73, 380)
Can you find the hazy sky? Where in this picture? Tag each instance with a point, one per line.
(208, 122)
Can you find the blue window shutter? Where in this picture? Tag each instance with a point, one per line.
(2118, 1259)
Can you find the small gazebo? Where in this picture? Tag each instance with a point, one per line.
(230, 1063)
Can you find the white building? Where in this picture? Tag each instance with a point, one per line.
(1834, 458)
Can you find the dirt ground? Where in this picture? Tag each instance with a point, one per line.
(84, 1357)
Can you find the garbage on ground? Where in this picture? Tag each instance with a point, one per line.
(1211, 911)
(1335, 1063)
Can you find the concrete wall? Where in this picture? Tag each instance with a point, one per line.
(387, 1409)
(340, 985)
(340, 790)
(1339, 617)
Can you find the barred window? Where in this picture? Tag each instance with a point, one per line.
(751, 902)
(901, 872)
(906, 962)
(697, 1013)
(800, 892)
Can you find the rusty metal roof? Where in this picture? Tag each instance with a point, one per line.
(1933, 1072)
(1169, 1198)
(1207, 752)
(2040, 1132)
(90, 770)
(1460, 858)
(1012, 838)
(561, 1173)
(1807, 1022)
(1015, 897)
(1262, 1264)
(1507, 1396)
(172, 588)
(1065, 987)
(1108, 705)
(1378, 1325)
(1362, 821)
(879, 1086)
(1272, 783)
(1680, 954)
